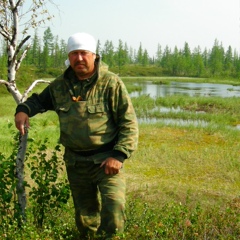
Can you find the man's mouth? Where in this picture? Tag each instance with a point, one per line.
(79, 64)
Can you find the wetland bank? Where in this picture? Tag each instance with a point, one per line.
(184, 179)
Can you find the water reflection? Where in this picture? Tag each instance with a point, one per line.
(190, 89)
(182, 88)
(170, 121)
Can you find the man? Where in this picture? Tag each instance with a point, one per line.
(98, 128)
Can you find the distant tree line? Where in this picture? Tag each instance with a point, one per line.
(50, 52)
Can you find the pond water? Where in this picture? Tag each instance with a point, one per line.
(190, 89)
(182, 88)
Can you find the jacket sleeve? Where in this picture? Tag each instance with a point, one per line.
(125, 118)
(37, 103)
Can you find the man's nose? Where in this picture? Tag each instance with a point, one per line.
(79, 56)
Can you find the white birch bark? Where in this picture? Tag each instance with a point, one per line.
(9, 29)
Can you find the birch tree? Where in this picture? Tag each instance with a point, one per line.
(17, 19)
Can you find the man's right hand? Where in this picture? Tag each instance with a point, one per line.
(21, 122)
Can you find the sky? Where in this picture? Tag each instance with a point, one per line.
(151, 22)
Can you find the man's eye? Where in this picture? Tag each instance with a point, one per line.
(79, 53)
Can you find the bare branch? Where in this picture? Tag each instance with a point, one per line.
(19, 61)
(4, 82)
(22, 43)
(11, 3)
(4, 32)
(23, 54)
(15, 23)
(18, 3)
(35, 83)
(37, 14)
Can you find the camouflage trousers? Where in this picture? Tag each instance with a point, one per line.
(99, 199)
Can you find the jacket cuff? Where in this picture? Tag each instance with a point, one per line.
(120, 156)
(22, 108)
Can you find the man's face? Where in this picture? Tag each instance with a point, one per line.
(82, 62)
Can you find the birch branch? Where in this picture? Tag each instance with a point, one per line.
(4, 82)
(5, 33)
(19, 61)
(21, 44)
(29, 89)
(19, 2)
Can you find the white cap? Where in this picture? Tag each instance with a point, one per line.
(81, 41)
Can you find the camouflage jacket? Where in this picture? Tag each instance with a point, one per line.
(104, 119)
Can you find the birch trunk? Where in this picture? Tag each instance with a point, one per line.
(16, 52)
(20, 188)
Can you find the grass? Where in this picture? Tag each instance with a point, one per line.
(187, 160)
(183, 181)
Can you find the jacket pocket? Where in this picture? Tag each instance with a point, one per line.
(73, 125)
(63, 108)
(99, 119)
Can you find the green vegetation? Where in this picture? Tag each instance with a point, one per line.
(47, 191)
(50, 57)
(212, 110)
(183, 181)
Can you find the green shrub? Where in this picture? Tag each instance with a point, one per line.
(48, 194)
